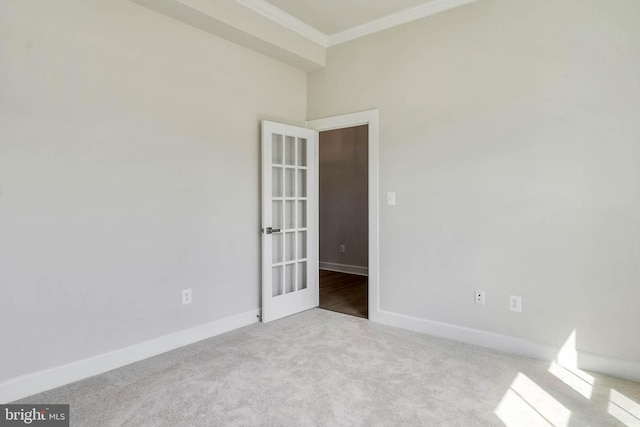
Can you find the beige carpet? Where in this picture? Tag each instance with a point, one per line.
(328, 369)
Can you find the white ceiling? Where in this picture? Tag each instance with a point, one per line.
(335, 16)
(331, 22)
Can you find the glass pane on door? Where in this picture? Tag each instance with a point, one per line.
(276, 281)
(302, 214)
(290, 151)
(302, 245)
(290, 278)
(290, 245)
(290, 215)
(290, 182)
(276, 150)
(302, 275)
(302, 152)
(302, 183)
(276, 248)
(276, 182)
(276, 214)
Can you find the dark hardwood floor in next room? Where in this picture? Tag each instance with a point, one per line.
(344, 293)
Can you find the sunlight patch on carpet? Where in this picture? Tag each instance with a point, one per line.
(526, 404)
(624, 409)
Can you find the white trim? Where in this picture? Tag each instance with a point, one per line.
(588, 361)
(369, 118)
(37, 382)
(610, 366)
(344, 268)
(289, 21)
(286, 20)
(395, 19)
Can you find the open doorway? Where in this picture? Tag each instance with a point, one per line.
(369, 118)
(343, 157)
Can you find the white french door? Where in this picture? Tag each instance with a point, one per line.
(289, 230)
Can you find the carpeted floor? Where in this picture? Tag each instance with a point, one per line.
(329, 369)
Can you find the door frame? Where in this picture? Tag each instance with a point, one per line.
(370, 118)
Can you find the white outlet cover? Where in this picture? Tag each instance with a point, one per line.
(391, 198)
(515, 303)
(186, 296)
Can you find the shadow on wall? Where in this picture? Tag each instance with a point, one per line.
(527, 403)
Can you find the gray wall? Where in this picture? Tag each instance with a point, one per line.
(343, 196)
(510, 132)
(129, 169)
(129, 162)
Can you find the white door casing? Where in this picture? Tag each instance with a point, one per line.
(369, 118)
(289, 220)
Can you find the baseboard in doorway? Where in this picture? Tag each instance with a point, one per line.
(343, 268)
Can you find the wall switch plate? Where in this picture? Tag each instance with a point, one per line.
(186, 296)
(342, 248)
(391, 199)
(479, 297)
(515, 303)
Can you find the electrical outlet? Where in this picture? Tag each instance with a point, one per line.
(515, 303)
(186, 296)
(342, 249)
(479, 297)
(391, 198)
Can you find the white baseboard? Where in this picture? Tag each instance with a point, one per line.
(30, 384)
(588, 361)
(343, 268)
(37, 382)
(609, 366)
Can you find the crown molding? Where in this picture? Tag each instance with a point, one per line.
(281, 17)
(395, 19)
(289, 21)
